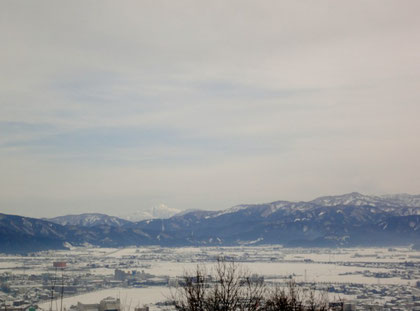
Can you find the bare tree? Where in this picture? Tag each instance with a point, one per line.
(293, 298)
(229, 287)
(317, 301)
(287, 299)
(192, 294)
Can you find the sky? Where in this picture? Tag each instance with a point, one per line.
(119, 106)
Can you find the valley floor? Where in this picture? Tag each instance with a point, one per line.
(141, 275)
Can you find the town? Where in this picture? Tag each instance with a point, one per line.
(365, 279)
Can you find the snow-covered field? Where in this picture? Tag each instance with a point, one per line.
(276, 264)
(130, 297)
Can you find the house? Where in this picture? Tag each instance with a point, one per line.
(107, 304)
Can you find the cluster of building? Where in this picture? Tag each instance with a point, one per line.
(35, 279)
(22, 292)
(106, 304)
(380, 297)
(407, 270)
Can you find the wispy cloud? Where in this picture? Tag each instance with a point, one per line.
(205, 106)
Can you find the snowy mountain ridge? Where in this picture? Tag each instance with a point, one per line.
(88, 220)
(400, 204)
(161, 211)
(346, 220)
(358, 199)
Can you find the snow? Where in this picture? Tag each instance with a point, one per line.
(130, 297)
(273, 262)
(231, 210)
(161, 211)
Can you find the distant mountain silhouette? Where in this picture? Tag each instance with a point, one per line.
(332, 221)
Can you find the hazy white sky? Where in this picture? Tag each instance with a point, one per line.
(116, 106)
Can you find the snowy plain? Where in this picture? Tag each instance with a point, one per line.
(276, 264)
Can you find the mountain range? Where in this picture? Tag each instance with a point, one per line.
(346, 220)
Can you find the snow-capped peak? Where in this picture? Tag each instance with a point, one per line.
(160, 211)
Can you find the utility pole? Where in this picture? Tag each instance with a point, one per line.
(62, 288)
(61, 265)
(53, 287)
